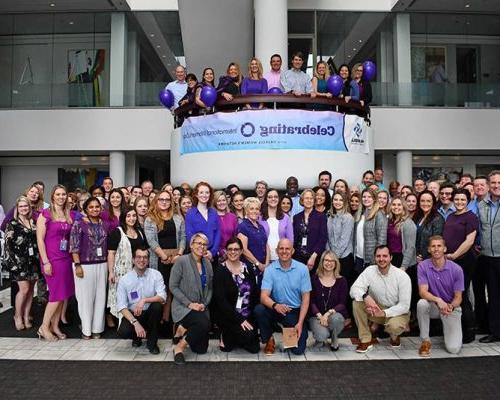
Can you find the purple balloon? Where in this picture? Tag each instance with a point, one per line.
(334, 85)
(369, 70)
(208, 96)
(167, 98)
(275, 90)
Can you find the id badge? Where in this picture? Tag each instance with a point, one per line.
(304, 241)
(31, 252)
(99, 252)
(134, 295)
(63, 245)
(239, 303)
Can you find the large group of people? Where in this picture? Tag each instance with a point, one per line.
(321, 259)
(187, 89)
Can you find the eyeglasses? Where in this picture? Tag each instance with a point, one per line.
(445, 193)
(328, 261)
(141, 257)
(202, 244)
(233, 249)
(164, 200)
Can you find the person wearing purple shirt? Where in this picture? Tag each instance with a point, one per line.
(459, 233)
(88, 247)
(310, 232)
(228, 222)
(203, 219)
(254, 238)
(327, 307)
(254, 83)
(440, 285)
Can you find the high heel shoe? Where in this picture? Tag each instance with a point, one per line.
(60, 335)
(27, 323)
(42, 336)
(18, 321)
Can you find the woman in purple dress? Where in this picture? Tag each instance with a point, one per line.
(228, 223)
(254, 83)
(52, 231)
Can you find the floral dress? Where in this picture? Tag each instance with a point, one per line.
(21, 251)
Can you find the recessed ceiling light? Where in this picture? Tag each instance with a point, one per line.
(71, 22)
(467, 5)
(164, 56)
(152, 35)
(354, 49)
(360, 41)
(349, 56)
(158, 46)
(52, 4)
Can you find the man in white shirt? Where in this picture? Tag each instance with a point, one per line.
(381, 294)
(179, 86)
(295, 80)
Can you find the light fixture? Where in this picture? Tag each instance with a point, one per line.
(71, 22)
(52, 4)
(354, 49)
(164, 56)
(158, 46)
(152, 35)
(467, 5)
(360, 41)
(349, 56)
(84, 158)
(436, 158)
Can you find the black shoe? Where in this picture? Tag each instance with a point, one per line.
(468, 339)
(154, 350)
(334, 348)
(136, 342)
(177, 339)
(179, 359)
(489, 339)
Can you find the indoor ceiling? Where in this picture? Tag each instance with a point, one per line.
(467, 6)
(27, 6)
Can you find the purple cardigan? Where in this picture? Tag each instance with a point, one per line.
(337, 299)
(317, 234)
(285, 228)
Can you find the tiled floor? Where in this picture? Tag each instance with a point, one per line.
(121, 350)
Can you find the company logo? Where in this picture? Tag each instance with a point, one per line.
(358, 130)
(247, 129)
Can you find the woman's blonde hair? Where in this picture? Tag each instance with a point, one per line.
(353, 70)
(155, 213)
(301, 200)
(235, 64)
(66, 210)
(327, 71)
(375, 208)
(398, 221)
(249, 201)
(27, 201)
(387, 208)
(217, 195)
(321, 267)
(259, 66)
(39, 203)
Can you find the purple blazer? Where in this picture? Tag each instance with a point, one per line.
(285, 228)
(317, 233)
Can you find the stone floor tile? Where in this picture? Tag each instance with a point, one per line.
(351, 355)
(18, 354)
(48, 355)
(382, 355)
(114, 355)
(94, 355)
(321, 356)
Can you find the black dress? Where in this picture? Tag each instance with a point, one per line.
(21, 251)
(227, 291)
(167, 239)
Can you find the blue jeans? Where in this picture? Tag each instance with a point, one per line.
(266, 317)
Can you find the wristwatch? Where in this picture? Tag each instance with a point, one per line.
(257, 264)
(274, 305)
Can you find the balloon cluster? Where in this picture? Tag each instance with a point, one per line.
(335, 82)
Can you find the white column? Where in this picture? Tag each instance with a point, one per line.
(130, 169)
(117, 59)
(402, 57)
(404, 162)
(117, 167)
(271, 30)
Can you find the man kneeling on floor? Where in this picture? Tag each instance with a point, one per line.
(440, 284)
(284, 298)
(140, 297)
(381, 294)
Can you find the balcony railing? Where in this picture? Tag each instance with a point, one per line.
(145, 94)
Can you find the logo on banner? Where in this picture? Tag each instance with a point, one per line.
(358, 130)
(247, 129)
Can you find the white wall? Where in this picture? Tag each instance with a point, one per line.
(435, 128)
(84, 129)
(15, 179)
(274, 166)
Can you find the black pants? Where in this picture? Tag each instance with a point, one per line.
(150, 321)
(479, 278)
(467, 262)
(492, 265)
(197, 324)
(234, 336)
(397, 259)
(415, 297)
(347, 271)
